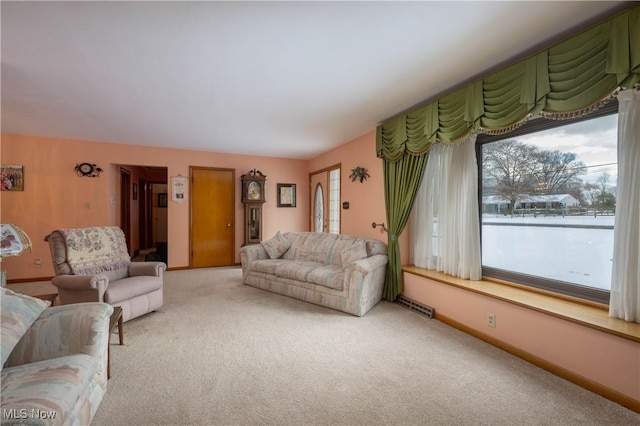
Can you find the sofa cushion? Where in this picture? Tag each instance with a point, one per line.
(311, 246)
(357, 251)
(276, 246)
(18, 313)
(267, 266)
(58, 385)
(331, 276)
(296, 270)
(131, 287)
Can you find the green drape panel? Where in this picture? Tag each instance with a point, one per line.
(567, 78)
(402, 180)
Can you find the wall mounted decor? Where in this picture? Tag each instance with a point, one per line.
(88, 170)
(178, 188)
(286, 195)
(12, 178)
(359, 173)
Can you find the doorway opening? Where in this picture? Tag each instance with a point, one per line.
(143, 211)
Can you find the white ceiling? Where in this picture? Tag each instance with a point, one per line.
(283, 79)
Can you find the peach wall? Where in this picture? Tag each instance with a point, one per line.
(55, 197)
(366, 200)
(601, 357)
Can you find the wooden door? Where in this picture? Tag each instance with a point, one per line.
(212, 217)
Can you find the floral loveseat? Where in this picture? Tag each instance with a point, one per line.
(341, 272)
(54, 360)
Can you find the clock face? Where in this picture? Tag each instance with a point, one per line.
(86, 168)
(254, 191)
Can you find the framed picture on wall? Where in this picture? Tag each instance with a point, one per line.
(286, 195)
(12, 178)
(162, 200)
(178, 188)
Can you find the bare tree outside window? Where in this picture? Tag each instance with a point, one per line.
(518, 170)
(548, 203)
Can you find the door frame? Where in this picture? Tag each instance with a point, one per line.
(125, 205)
(326, 206)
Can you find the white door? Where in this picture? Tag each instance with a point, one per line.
(325, 200)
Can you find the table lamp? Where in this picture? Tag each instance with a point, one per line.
(13, 241)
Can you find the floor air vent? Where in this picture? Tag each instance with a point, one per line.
(420, 308)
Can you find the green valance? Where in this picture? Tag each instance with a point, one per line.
(564, 81)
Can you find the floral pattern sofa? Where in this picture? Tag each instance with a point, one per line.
(341, 272)
(54, 360)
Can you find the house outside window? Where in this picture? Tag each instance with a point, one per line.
(547, 204)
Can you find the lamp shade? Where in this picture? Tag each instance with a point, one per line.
(13, 240)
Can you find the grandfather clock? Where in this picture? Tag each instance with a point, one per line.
(253, 199)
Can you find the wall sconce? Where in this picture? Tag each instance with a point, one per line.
(88, 170)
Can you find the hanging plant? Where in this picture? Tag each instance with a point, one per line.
(359, 173)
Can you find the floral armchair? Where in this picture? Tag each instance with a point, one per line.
(93, 265)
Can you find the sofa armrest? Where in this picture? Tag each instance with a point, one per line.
(81, 288)
(81, 328)
(153, 269)
(80, 282)
(249, 254)
(368, 264)
(364, 282)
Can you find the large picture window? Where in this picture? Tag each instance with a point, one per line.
(548, 200)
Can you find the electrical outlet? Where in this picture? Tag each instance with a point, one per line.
(491, 320)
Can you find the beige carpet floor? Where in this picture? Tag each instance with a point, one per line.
(222, 353)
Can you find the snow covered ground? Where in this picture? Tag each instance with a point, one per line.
(573, 254)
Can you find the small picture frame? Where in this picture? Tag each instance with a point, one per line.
(162, 200)
(179, 188)
(286, 195)
(12, 178)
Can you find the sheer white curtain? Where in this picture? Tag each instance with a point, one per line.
(625, 277)
(446, 229)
